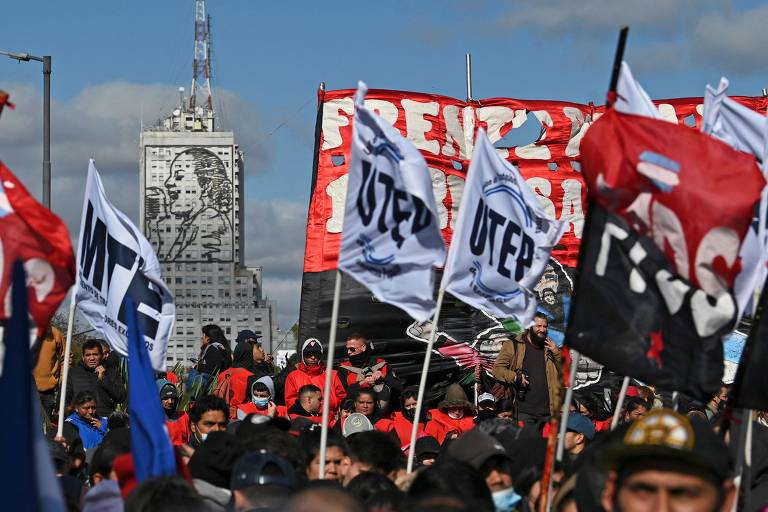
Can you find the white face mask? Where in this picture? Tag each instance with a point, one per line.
(203, 436)
(456, 415)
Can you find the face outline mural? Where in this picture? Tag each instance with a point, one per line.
(189, 218)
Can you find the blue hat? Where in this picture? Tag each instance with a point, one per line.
(581, 425)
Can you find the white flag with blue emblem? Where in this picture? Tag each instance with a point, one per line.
(502, 241)
(391, 238)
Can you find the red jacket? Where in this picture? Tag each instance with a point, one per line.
(400, 425)
(179, 430)
(304, 375)
(351, 377)
(441, 424)
(238, 388)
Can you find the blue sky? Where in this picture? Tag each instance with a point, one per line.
(116, 63)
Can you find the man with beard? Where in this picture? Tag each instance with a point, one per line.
(532, 363)
(364, 370)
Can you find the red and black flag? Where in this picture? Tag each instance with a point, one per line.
(669, 210)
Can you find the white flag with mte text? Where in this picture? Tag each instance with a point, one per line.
(114, 262)
(391, 239)
(502, 241)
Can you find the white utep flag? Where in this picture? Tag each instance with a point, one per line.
(744, 130)
(502, 241)
(115, 261)
(391, 238)
(631, 98)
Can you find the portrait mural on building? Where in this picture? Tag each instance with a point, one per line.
(189, 208)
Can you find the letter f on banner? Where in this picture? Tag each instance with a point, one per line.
(391, 238)
(502, 240)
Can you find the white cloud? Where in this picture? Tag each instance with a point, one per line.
(275, 233)
(736, 42)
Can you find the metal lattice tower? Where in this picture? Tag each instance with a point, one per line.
(201, 66)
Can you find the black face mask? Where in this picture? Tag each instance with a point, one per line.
(409, 414)
(360, 359)
(485, 415)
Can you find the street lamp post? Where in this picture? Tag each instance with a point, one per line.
(46, 60)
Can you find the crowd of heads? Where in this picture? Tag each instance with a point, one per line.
(263, 454)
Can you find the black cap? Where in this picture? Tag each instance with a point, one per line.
(664, 434)
(249, 471)
(475, 448)
(247, 335)
(427, 444)
(57, 450)
(214, 460)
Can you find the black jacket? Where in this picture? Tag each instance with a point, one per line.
(109, 391)
(214, 359)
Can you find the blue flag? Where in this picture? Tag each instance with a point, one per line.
(28, 481)
(150, 444)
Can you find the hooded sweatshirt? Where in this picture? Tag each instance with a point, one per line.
(177, 421)
(238, 377)
(304, 374)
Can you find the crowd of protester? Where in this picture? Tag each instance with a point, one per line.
(247, 436)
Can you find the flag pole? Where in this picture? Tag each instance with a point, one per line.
(423, 380)
(546, 503)
(65, 375)
(741, 453)
(623, 32)
(620, 402)
(329, 373)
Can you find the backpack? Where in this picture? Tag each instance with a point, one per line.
(224, 391)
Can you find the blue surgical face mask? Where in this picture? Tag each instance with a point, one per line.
(203, 436)
(261, 403)
(505, 500)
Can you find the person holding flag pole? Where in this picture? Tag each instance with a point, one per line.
(391, 239)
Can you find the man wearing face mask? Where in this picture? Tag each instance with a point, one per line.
(365, 370)
(453, 416)
(209, 414)
(401, 422)
(261, 402)
(486, 407)
(717, 404)
(312, 370)
(532, 363)
(176, 421)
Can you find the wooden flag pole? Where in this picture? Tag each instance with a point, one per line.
(423, 381)
(65, 375)
(620, 402)
(329, 373)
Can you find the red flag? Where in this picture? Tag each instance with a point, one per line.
(33, 234)
(691, 194)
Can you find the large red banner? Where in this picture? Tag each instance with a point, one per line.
(444, 129)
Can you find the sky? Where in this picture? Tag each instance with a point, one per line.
(117, 65)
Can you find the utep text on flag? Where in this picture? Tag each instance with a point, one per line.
(28, 481)
(391, 238)
(115, 262)
(502, 240)
(670, 208)
(150, 445)
(31, 233)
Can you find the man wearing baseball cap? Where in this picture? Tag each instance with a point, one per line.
(667, 462)
(580, 432)
(261, 481)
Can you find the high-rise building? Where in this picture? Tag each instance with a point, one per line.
(191, 210)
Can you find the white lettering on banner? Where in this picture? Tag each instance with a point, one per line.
(456, 187)
(667, 112)
(456, 132)
(439, 190)
(667, 227)
(543, 188)
(333, 120)
(417, 126)
(386, 109)
(495, 118)
(337, 191)
(708, 317)
(40, 277)
(572, 210)
(578, 129)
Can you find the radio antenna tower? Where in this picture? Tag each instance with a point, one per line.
(201, 66)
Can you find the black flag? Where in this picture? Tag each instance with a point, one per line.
(635, 315)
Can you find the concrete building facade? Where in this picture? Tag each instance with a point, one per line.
(192, 212)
